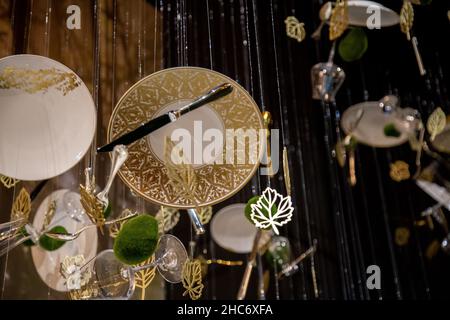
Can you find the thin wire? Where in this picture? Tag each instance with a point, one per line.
(154, 38)
(209, 36)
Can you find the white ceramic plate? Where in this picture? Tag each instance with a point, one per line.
(47, 263)
(43, 133)
(358, 15)
(370, 130)
(231, 230)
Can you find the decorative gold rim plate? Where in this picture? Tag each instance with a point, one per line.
(144, 171)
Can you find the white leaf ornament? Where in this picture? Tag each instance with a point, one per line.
(272, 210)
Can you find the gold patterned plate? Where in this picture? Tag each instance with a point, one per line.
(217, 176)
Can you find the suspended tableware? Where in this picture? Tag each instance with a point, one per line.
(145, 171)
(47, 263)
(326, 79)
(231, 230)
(376, 116)
(47, 118)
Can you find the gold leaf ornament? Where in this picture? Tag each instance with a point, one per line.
(115, 228)
(436, 123)
(8, 182)
(49, 214)
(295, 29)
(167, 218)
(402, 235)
(33, 81)
(406, 18)
(180, 173)
(271, 210)
(22, 207)
(205, 214)
(339, 19)
(192, 279)
(143, 278)
(286, 172)
(91, 204)
(399, 171)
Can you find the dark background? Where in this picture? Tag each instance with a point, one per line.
(122, 41)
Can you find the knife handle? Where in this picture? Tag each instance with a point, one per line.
(214, 94)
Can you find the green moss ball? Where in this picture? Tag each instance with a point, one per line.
(50, 244)
(353, 46)
(137, 240)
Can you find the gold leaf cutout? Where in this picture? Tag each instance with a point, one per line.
(436, 123)
(295, 29)
(167, 218)
(91, 204)
(399, 171)
(115, 228)
(8, 182)
(181, 174)
(407, 18)
(205, 214)
(143, 278)
(33, 81)
(51, 210)
(402, 235)
(22, 207)
(338, 19)
(192, 279)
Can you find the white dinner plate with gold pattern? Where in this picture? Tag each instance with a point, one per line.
(47, 118)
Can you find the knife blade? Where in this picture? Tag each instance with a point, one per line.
(172, 116)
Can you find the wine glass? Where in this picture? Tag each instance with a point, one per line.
(105, 277)
(279, 252)
(72, 206)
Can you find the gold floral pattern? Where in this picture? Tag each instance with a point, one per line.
(192, 279)
(145, 173)
(399, 171)
(8, 182)
(33, 81)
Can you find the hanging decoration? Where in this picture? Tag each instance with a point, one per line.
(399, 171)
(286, 172)
(115, 228)
(71, 271)
(205, 214)
(167, 218)
(402, 235)
(436, 123)
(263, 214)
(339, 19)
(407, 18)
(295, 29)
(192, 279)
(91, 204)
(49, 214)
(8, 182)
(22, 207)
(143, 278)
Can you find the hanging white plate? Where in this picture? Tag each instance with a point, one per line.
(231, 230)
(370, 130)
(47, 118)
(359, 11)
(47, 263)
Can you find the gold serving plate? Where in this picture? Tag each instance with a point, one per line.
(145, 171)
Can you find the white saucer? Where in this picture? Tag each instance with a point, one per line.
(358, 14)
(370, 130)
(47, 263)
(231, 230)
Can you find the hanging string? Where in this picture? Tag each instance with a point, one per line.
(155, 36)
(209, 37)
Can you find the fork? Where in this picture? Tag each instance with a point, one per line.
(73, 236)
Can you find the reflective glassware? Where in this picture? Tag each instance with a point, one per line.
(326, 79)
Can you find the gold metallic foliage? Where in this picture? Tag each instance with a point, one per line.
(114, 228)
(295, 29)
(91, 204)
(205, 214)
(21, 207)
(407, 18)
(436, 123)
(286, 172)
(33, 81)
(8, 182)
(399, 171)
(339, 19)
(49, 214)
(143, 278)
(402, 235)
(167, 218)
(192, 279)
